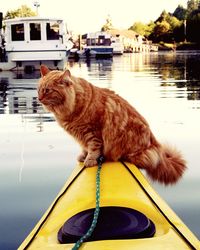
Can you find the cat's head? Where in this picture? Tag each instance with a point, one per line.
(55, 89)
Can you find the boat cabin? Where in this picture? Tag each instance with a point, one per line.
(99, 39)
(31, 41)
(98, 44)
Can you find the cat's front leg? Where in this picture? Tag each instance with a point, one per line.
(82, 156)
(94, 151)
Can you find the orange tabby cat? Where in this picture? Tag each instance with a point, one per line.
(105, 124)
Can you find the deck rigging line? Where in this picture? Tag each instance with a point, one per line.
(78, 244)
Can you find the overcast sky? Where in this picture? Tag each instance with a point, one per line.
(90, 15)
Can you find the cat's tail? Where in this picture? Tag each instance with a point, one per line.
(163, 163)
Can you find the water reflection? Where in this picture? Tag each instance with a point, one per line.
(178, 70)
(18, 93)
(3, 93)
(164, 87)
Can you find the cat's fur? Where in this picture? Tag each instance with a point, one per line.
(105, 124)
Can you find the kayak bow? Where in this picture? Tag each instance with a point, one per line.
(125, 194)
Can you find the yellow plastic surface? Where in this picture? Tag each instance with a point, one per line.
(118, 188)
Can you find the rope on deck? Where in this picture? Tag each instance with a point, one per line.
(78, 244)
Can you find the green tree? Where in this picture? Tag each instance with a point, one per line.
(172, 27)
(163, 16)
(192, 5)
(173, 22)
(193, 21)
(193, 24)
(23, 11)
(180, 13)
(176, 29)
(149, 28)
(167, 28)
(139, 28)
(143, 29)
(108, 25)
(161, 29)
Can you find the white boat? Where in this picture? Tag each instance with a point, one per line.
(117, 44)
(97, 44)
(32, 41)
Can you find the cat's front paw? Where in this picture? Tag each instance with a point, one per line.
(90, 162)
(82, 157)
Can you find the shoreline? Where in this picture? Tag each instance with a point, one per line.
(178, 46)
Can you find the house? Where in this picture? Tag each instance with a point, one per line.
(132, 41)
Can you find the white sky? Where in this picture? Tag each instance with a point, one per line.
(90, 15)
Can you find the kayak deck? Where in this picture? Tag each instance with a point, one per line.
(122, 184)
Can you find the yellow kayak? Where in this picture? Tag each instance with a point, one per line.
(132, 215)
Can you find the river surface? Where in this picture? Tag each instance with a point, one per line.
(37, 156)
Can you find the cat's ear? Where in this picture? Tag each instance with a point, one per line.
(66, 74)
(44, 70)
(66, 77)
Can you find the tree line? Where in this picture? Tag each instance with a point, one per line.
(180, 26)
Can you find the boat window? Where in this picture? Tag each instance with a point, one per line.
(107, 41)
(35, 31)
(17, 32)
(52, 30)
(93, 41)
(101, 40)
(88, 42)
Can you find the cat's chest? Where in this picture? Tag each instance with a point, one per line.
(84, 130)
(78, 130)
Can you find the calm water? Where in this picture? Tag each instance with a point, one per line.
(36, 156)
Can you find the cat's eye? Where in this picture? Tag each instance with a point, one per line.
(47, 91)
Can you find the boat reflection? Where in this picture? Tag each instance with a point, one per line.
(18, 94)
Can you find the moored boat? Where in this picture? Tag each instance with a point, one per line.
(126, 198)
(30, 41)
(97, 45)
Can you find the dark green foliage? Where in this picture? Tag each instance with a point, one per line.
(181, 25)
(180, 13)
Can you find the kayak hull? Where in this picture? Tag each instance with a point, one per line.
(121, 184)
